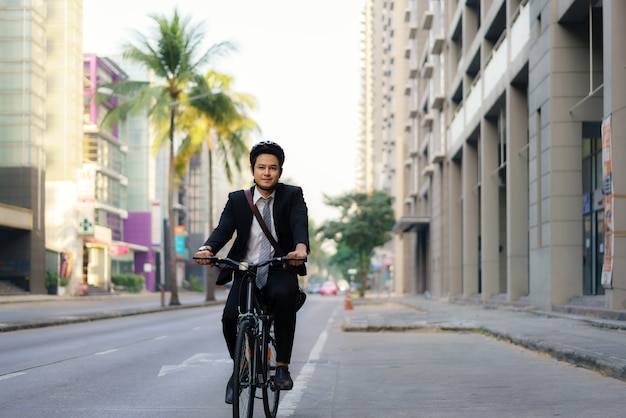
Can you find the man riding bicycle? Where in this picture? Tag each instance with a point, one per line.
(287, 219)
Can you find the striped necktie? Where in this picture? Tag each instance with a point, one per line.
(266, 246)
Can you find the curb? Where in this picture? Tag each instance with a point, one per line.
(612, 367)
(65, 320)
(615, 369)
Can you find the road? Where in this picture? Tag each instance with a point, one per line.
(174, 364)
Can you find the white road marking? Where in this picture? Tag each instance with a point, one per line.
(192, 361)
(288, 404)
(160, 337)
(105, 352)
(10, 375)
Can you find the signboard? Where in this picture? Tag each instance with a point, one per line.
(607, 175)
(118, 249)
(86, 199)
(86, 219)
(86, 183)
(179, 243)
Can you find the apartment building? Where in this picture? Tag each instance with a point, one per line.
(493, 120)
(116, 203)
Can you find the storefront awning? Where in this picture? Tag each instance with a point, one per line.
(407, 223)
(16, 217)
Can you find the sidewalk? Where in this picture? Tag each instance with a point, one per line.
(36, 311)
(596, 344)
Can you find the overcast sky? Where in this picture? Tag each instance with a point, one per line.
(301, 61)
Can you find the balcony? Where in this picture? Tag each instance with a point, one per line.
(412, 30)
(428, 170)
(438, 44)
(438, 101)
(427, 70)
(520, 31)
(474, 99)
(457, 126)
(427, 121)
(438, 157)
(427, 20)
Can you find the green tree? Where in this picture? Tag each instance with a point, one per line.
(218, 117)
(174, 55)
(365, 223)
(344, 259)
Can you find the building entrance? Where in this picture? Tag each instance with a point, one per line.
(593, 210)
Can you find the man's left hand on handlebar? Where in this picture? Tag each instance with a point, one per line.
(204, 252)
(299, 252)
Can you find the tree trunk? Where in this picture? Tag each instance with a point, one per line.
(210, 283)
(171, 253)
(363, 269)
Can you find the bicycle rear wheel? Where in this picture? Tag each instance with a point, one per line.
(271, 394)
(244, 388)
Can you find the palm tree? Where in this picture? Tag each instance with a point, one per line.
(217, 117)
(173, 56)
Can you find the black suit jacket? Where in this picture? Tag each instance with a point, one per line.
(290, 217)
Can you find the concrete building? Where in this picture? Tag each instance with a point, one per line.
(63, 189)
(40, 136)
(493, 120)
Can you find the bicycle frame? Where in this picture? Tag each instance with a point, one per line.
(255, 322)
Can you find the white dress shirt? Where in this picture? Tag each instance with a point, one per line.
(256, 233)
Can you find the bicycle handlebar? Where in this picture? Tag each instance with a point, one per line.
(244, 265)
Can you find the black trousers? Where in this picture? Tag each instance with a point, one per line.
(280, 293)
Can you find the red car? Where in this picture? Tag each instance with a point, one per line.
(328, 288)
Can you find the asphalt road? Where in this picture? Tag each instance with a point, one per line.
(174, 364)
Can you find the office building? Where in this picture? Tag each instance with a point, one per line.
(498, 127)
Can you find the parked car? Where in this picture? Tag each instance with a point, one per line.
(314, 288)
(328, 288)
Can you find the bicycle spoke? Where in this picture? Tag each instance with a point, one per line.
(243, 401)
(271, 395)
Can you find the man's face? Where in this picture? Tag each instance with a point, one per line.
(266, 172)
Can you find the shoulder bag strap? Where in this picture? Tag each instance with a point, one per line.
(259, 218)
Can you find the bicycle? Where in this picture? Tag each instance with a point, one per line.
(255, 349)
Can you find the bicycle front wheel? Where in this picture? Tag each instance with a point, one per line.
(244, 387)
(271, 394)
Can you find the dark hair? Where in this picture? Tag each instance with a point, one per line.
(267, 147)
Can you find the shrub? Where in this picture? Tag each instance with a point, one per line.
(193, 284)
(133, 283)
(52, 278)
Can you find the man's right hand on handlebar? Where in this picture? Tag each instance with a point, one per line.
(202, 255)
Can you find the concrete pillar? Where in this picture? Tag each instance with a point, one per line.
(470, 219)
(517, 193)
(401, 267)
(489, 210)
(455, 222)
(614, 14)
